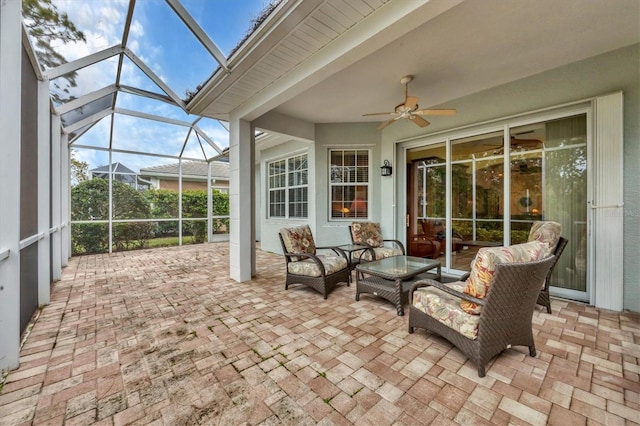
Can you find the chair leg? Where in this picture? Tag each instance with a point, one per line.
(532, 350)
(481, 372)
(410, 330)
(549, 308)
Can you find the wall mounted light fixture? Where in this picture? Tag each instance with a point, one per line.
(386, 169)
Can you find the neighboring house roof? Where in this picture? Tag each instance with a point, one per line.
(116, 168)
(190, 170)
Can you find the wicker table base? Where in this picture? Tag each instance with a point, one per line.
(395, 292)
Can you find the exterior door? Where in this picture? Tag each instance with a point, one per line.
(426, 236)
(489, 188)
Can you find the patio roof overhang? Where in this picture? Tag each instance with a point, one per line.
(320, 64)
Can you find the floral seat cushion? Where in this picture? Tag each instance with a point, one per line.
(309, 268)
(381, 253)
(484, 266)
(367, 233)
(298, 239)
(547, 232)
(446, 308)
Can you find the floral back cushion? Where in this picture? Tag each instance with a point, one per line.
(484, 266)
(547, 232)
(298, 239)
(366, 233)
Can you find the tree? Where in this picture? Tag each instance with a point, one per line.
(79, 170)
(47, 25)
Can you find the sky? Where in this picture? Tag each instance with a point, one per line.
(165, 44)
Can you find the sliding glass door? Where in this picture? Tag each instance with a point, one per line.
(483, 190)
(477, 187)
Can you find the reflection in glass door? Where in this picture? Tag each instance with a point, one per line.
(426, 235)
(477, 186)
(548, 170)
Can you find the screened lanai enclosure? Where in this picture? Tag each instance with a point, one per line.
(111, 158)
(119, 86)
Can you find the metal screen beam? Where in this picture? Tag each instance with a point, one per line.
(83, 62)
(199, 33)
(85, 122)
(138, 114)
(157, 80)
(83, 100)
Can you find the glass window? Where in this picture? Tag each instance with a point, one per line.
(288, 187)
(349, 183)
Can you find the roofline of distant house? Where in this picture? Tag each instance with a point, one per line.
(184, 176)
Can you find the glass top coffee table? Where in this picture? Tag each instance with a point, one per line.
(392, 278)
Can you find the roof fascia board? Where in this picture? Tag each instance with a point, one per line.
(198, 32)
(83, 62)
(391, 21)
(151, 173)
(147, 116)
(86, 121)
(33, 58)
(145, 69)
(284, 19)
(83, 100)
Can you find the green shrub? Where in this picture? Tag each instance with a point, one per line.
(89, 238)
(90, 201)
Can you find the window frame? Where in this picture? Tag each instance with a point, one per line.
(331, 184)
(287, 187)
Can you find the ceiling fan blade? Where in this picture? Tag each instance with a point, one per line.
(411, 102)
(386, 123)
(435, 112)
(420, 121)
(378, 113)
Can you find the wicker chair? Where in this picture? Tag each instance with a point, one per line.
(543, 296)
(505, 317)
(369, 234)
(322, 272)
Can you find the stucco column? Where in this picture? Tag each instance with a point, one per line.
(10, 107)
(242, 253)
(56, 200)
(65, 200)
(44, 193)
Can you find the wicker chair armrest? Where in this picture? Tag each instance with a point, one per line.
(398, 244)
(446, 289)
(299, 256)
(364, 250)
(420, 284)
(336, 250)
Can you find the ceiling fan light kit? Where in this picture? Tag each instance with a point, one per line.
(409, 109)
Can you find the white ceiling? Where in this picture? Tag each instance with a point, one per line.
(468, 48)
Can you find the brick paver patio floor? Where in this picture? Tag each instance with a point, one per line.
(163, 336)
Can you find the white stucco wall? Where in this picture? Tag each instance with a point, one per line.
(269, 228)
(345, 136)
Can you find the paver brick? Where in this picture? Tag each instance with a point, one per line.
(163, 336)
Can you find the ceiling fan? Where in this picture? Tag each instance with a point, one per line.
(409, 109)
